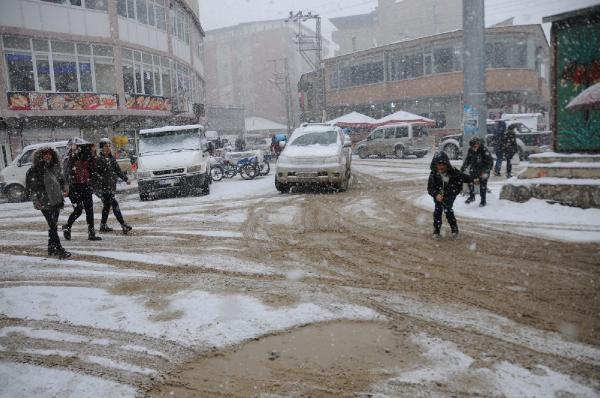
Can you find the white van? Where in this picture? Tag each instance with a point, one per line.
(173, 159)
(13, 177)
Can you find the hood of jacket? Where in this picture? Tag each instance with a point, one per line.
(440, 157)
(38, 157)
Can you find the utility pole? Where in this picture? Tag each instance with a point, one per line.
(474, 66)
(308, 44)
(281, 78)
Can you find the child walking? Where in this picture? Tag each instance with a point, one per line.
(444, 185)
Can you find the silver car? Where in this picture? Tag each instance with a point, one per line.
(317, 154)
(400, 140)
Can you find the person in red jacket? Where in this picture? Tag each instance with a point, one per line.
(78, 166)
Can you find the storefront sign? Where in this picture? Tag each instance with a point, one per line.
(148, 103)
(30, 101)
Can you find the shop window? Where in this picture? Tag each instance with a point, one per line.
(20, 72)
(43, 73)
(65, 75)
(85, 75)
(105, 76)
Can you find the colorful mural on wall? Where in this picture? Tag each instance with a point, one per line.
(30, 101)
(578, 67)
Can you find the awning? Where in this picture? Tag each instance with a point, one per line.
(354, 120)
(404, 117)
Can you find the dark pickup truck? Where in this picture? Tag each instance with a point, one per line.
(529, 142)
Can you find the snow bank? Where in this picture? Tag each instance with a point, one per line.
(534, 217)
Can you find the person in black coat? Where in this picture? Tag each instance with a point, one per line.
(479, 161)
(510, 148)
(498, 146)
(105, 184)
(78, 168)
(444, 185)
(47, 188)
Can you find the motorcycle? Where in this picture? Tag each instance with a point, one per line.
(249, 168)
(216, 169)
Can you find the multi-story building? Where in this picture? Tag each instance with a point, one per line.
(394, 21)
(241, 71)
(424, 76)
(92, 68)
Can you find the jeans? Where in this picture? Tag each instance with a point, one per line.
(499, 157)
(445, 206)
(81, 197)
(51, 215)
(108, 200)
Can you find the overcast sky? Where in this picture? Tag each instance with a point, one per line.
(220, 13)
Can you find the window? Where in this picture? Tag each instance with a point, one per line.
(406, 66)
(20, 72)
(145, 73)
(402, 132)
(378, 134)
(427, 60)
(180, 24)
(58, 66)
(389, 133)
(142, 11)
(420, 131)
(27, 157)
(91, 4)
(443, 59)
(361, 74)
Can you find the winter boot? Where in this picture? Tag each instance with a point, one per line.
(126, 228)
(66, 231)
(52, 250)
(436, 235)
(470, 200)
(482, 204)
(497, 173)
(455, 236)
(105, 228)
(62, 253)
(92, 234)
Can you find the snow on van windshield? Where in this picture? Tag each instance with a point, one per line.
(169, 140)
(317, 138)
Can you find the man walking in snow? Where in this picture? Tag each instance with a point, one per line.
(47, 188)
(479, 161)
(498, 146)
(510, 148)
(444, 185)
(105, 184)
(78, 167)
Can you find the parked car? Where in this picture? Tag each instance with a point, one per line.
(316, 155)
(12, 177)
(529, 142)
(400, 140)
(173, 159)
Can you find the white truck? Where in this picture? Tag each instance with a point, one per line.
(173, 159)
(12, 177)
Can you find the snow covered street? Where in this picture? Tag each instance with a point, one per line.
(247, 292)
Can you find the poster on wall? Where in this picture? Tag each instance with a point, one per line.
(147, 102)
(23, 101)
(577, 68)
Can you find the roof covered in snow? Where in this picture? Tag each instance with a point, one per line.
(255, 123)
(172, 128)
(403, 117)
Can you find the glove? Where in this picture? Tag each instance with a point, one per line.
(38, 205)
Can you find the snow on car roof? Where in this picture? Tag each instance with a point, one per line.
(52, 144)
(172, 128)
(315, 128)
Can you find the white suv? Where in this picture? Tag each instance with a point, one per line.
(317, 154)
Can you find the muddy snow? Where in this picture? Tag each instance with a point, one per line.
(247, 292)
